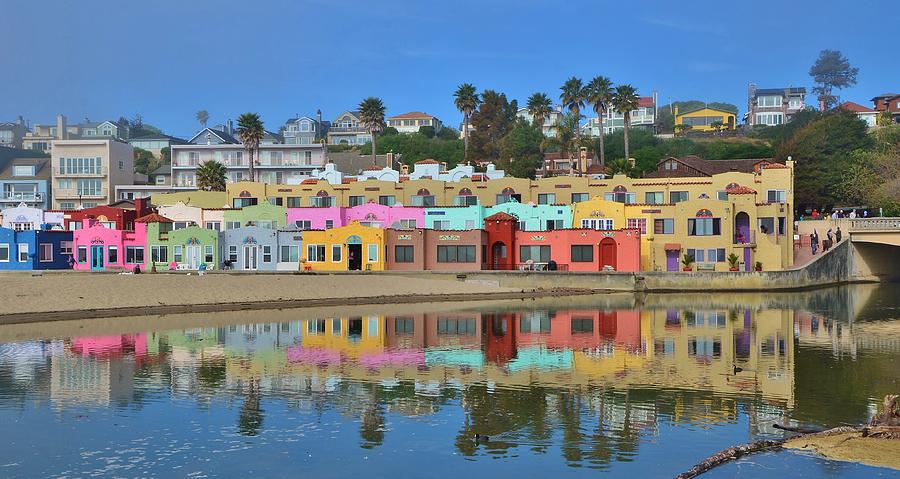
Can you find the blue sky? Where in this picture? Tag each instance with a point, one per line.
(166, 59)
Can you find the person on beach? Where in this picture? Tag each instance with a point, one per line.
(71, 262)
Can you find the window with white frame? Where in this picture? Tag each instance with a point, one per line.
(4, 253)
(303, 224)
(23, 252)
(373, 253)
(45, 252)
(65, 247)
(134, 254)
(336, 253)
(233, 253)
(178, 253)
(209, 256)
(603, 224)
(159, 253)
(315, 253)
(470, 224)
(768, 101)
(214, 225)
(441, 225)
(546, 198)
(770, 119)
(267, 253)
(776, 196)
(290, 253)
(22, 226)
(408, 224)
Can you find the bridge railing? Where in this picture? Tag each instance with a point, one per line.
(873, 224)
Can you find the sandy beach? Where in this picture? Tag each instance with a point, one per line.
(26, 298)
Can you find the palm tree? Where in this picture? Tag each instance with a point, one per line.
(619, 165)
(202, 117)
(573, 96)
(539, 107)
(466, 101)
(599, 96)
(625, 100)
(371, 115)
(566, 136)
(211, 176)
(251, 131)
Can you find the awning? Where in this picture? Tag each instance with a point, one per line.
(672, 247)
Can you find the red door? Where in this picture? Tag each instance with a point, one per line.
(608, 253)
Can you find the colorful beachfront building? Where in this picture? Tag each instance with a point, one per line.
(35, 249)
(188, 248)
(252, 248)
(264, 214)
(428, 249)
(532, 217)
(347, 248)
(99, 247)
(184, 215)
(110, 216)
(24, 218)
(368, 214)
(198, 198)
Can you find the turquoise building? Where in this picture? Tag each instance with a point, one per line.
(531, 217)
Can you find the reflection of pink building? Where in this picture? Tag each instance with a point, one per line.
(96, 247)
(110, 346)
(369, 214)
(580, 329)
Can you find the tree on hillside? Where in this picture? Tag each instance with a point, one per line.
(427, 131)
(211, 176)
(251, 132)
(831, 70)
(625, 100)
(165, 156)
(620, 166)
(466, 100)
(874, 178)
(520, 150)
(144, 162)
(539, 107)
(492, 121)
(371, 115)
(415, 147)
(202, 117)
(822, 150)
(448, 133)
(573, 96)
(566, 139)
(599, 96)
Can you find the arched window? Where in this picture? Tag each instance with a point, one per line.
(322, 199)
(423, 197)
(354, 239)
(704, 213)
(465, 192)
(322, 194)
(465, 198)
(508, 194)
(423, 192)
(620, 189)
(732, 186)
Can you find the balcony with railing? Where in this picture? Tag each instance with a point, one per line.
(10, 196)
(741, 239)
(348, 129)
(85, 194)
(80, 172)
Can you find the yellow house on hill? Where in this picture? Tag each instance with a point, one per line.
(702, 119)
(349, 248)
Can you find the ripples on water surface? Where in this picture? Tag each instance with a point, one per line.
(639, 388)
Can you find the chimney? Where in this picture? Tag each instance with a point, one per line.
(20, 121)
(390, 159)
(319, 131)
(61, 133)
(230, 127)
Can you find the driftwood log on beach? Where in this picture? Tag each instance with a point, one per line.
(884, 426)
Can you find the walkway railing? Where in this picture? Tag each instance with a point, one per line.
(870, 224)
(525, 267)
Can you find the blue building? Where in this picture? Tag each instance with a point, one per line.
(24, 178)
(35, 249)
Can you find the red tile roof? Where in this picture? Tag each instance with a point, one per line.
(153, 218)
(309, 181)
(773, 166)
(645, 101)
(412, 114)
(855, 107)
(428, 162)
(741, 190)
(502, 216)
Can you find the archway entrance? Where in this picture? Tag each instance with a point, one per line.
(741, 228)
(608, 253)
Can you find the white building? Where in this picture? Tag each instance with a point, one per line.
(643, 117)
(549, 126)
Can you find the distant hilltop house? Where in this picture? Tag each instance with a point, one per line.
(12, 133)
(304, 130)
(347, 129)
(41, 137)
(774, 106)
(643, 117)
(865, 114)
(706, 118)
(889, 102)
(422, 170)
(155, 143)
(412, 121)
(549, 126)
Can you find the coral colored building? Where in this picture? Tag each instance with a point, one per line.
(433, 250)
(98, 247)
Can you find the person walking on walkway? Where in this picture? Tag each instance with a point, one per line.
(837, 235)
(814, 242)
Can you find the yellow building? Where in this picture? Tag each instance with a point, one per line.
(349, 248)
(196, 198)
(704, 119)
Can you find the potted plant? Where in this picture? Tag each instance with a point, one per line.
(732, 262)
(758, 266)
(688, 262)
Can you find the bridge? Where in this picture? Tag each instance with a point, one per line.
(874, 250)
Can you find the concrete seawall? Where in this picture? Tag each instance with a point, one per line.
(837, 266)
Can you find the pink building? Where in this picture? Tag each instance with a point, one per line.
(369, 214)
(97, 247)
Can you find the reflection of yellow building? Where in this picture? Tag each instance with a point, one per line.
(349, 336)
(351, 247)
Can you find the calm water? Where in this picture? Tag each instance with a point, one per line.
(630, 387)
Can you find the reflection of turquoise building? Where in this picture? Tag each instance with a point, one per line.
(539, 357)
(531, 217)
(473, 358)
